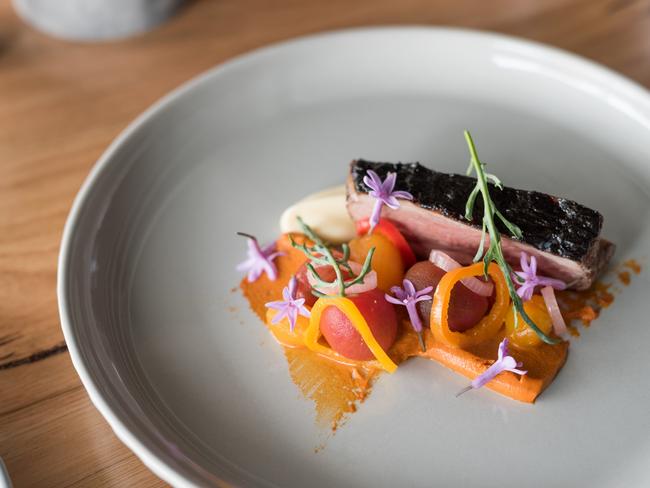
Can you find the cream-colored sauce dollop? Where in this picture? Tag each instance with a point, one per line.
(323, 211)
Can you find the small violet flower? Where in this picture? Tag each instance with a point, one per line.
(384, 194)
(504, 362)
(290, 307)
(260, 260)
(527, 278)
(409, 297)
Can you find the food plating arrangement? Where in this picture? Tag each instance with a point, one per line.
(409, 262)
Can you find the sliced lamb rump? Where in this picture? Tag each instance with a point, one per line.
(564, 235)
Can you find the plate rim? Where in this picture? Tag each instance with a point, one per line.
(157, 464)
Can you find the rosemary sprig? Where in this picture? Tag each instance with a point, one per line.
(320, 254)
(495, 252)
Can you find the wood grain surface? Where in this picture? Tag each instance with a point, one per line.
(62, 103)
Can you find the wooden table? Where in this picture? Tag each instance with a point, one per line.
(62, 103)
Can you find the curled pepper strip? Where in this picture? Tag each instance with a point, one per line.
(487, 327)
(350, 310)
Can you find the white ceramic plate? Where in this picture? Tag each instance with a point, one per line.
(201, 393)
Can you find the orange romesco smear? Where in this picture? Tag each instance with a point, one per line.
(542, 363)
(337, 388)
(624, 276)
(264, 290)
(585, 306)
(633, 265)
(334, 388)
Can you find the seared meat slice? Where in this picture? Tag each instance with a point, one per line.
(564, 235)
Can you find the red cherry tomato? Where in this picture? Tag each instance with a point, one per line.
(466, 308)
(344, 338)
(388, 229)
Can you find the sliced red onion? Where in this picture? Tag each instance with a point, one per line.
(369, 282)
(559, 327)
(447, 263)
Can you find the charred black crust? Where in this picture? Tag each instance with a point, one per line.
(551, 224)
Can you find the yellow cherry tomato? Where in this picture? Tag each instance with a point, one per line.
(282, 332)
(387, 260)
(523, 335)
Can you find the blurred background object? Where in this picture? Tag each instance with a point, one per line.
(95, 20)
(5, 482)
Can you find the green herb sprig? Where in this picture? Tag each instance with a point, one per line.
(320, 254)
(494, 252)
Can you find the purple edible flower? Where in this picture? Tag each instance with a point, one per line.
(290, 307)
(527, 278)
(409, 297)
(260, 260)
(504, 362)
(384, 194)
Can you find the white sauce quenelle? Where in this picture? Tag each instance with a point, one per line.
(325, 212)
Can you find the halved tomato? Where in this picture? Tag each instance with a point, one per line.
(344, 338)
(388, 229)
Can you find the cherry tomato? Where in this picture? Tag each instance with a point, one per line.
(387, 228)
(466, 308)
(386, 261)
(523, 335)
(303, 290)
(343, 338)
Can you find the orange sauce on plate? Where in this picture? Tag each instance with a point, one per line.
(337, 388)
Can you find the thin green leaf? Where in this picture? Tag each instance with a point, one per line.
(307, 252)
(364, 269)
(308, 230)
(515, 231)
(515, 315)
(317, 278)
(481, 246)
(469, 206)
(486, 264)
(495, 180)
(346, 252)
